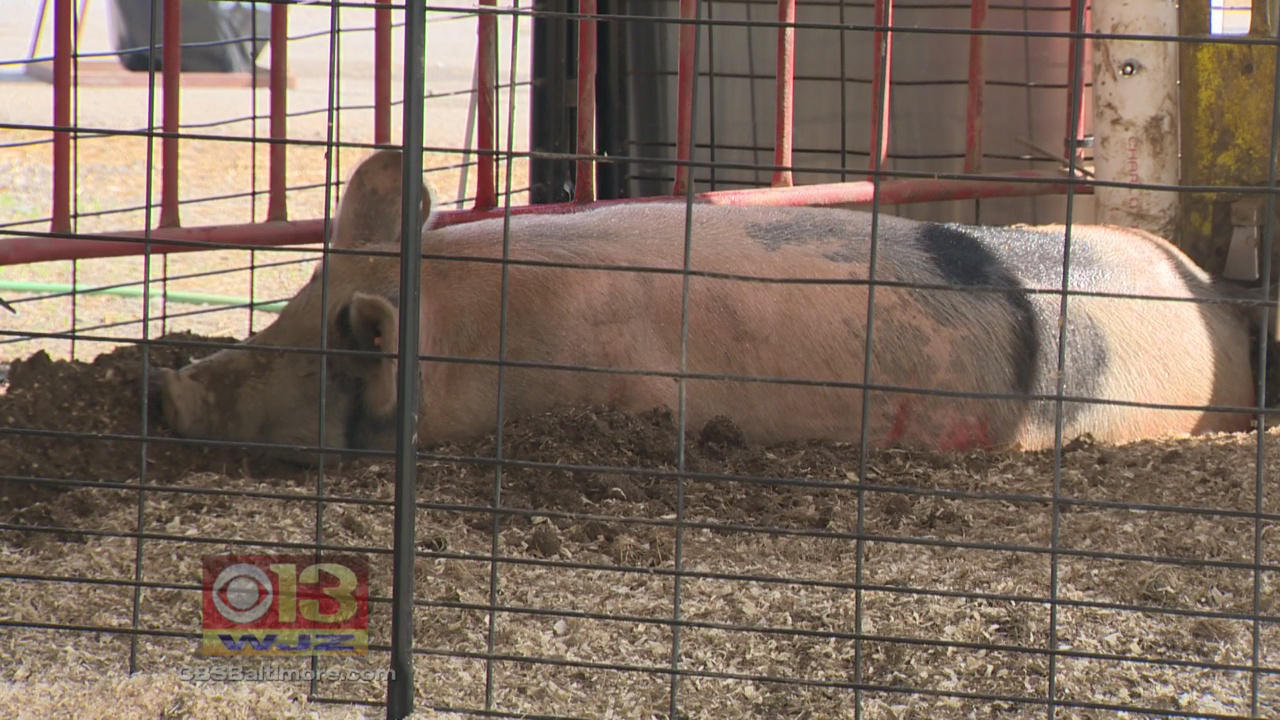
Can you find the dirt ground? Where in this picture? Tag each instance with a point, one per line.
(956, 571)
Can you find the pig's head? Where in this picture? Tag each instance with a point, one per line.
(271, 388)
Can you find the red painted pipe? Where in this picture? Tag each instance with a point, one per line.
(784, 83)
(893, 192)
(584, 189)
(684, 96)
(977, 87)
(171, 79)
(62, 49)
(22, 249)
(277, 206)
(880, 82)
(382, 75)
(487, 89)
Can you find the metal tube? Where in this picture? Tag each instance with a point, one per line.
(892, 192)
(62, 49)
(382, 75)
(487, 86)
(785, 85)
(400, 686)
(882, 58)
(277, 208)
(1075, 124)
(18, 249)
(84, 7)
(35, 32)
(977, 87)
(584, 188)
(171, 79)
(684, 96)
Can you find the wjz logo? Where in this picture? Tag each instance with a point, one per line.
(285, 604)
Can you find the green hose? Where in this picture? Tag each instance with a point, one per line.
(134, 291)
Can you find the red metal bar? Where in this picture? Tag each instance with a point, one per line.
(785, 85)
(977, 87)
(486, 102)
(382, 75)
(880, 82)
(684, 96)
(584, 189)
(277, 207)
(16, 250)
(62, 50)
(171, 58)
(894, 192)
(21, 249)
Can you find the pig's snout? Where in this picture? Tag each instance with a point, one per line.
(168, 393)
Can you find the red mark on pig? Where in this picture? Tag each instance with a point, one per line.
(899, 428)
(966, 434)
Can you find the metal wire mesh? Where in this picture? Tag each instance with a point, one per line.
(591, 561)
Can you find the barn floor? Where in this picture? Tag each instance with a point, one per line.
(586, 559)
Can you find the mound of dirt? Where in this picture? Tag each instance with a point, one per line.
(77, 421)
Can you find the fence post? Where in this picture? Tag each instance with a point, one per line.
(172, 82)
(1135, 114)
(61, 117)
(400, 686)
(784, 81)
(584, 189)
(277, 208)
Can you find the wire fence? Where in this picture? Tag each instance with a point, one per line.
(693, 452)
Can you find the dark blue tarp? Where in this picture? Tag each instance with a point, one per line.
(228, 35)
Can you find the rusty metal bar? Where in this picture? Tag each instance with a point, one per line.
(277, 208)
(584, 188)
(62, 49)
(880, 83)
(893, 192)
(487, 90)
(171, 80)
(381, 75)
(684, 96)
(785, 85)
(977, 87)
(20, 249)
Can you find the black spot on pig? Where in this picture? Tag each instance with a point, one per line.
(803, 230)
(963, 258)
(1085, 363)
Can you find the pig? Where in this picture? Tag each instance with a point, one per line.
(775, 293)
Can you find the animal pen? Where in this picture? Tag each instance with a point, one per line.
(591, 562)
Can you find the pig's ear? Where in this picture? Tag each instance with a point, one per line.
(369, 212)
(370, 322)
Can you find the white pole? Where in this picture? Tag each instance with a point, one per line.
(1135, 113)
